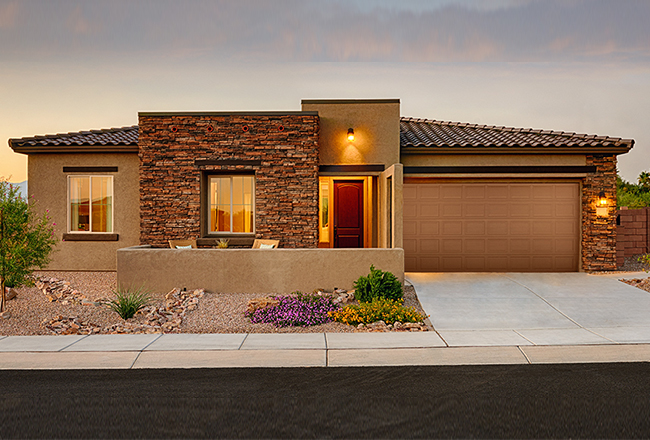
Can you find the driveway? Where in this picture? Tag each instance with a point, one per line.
(473, 309)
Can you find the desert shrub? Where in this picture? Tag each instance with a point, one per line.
(389, 311)
(378, 284)
(297, 310)
(128, 302)
(26, 239)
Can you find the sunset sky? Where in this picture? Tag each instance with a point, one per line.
(572, 65)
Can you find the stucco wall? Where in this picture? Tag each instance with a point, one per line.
(261, 271)
(376, 131)
(48, 184)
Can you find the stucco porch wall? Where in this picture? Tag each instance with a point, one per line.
(251, 270)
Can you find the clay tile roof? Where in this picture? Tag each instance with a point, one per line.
(426, 135)
(109, 139)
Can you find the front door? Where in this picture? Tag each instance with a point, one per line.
(348, 213)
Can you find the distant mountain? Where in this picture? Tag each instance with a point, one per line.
(22, 187)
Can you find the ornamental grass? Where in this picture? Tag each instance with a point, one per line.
(297, 310)
(128, 302)
(389, 311)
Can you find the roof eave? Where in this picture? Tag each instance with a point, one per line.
(620, 149)
(40, 149)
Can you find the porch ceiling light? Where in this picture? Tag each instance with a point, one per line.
(350, 134)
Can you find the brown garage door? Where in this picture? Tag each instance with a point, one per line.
(491, 227)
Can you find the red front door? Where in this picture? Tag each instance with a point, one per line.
(348, 213)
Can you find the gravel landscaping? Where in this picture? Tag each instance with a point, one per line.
(82, 305)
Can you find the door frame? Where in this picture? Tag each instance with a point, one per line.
(328, 241)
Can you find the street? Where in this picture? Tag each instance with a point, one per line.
(519, 401)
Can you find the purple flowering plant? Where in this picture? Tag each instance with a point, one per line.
(296, 310)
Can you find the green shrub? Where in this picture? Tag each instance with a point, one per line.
(378, 284)
(389, 311)
(127, 302)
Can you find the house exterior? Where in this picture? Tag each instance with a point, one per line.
(336, 174)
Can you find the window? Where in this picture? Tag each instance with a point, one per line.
(90, 204)
(232, 201)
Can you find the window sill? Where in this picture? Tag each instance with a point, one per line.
(90, 237)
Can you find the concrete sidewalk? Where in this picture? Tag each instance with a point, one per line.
(287, 350)
(479, 319)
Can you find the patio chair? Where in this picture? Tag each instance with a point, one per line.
(183, 244)
(265, 244)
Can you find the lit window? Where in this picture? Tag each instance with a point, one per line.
(90, 203)
(232, 202)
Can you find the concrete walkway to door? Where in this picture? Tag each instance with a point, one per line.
(490, 309)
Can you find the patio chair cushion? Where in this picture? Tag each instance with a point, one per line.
(183, 244)
(257, 244)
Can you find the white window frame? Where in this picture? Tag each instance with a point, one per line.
(90, 176)
(209, 204)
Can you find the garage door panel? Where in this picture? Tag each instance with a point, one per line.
(544, 210)
(452, 228)
(451, 246)
(452, 210)
(498, 247)
(475, 210)
(429, 192)
(429, 210)
(497, 228)
(520, 210)
(497, 210)
(429, 228)
(520, 228)
(430, 246)
(492, 227)
(451, 192)
(473, 247)
(519, 246)
(474, 228)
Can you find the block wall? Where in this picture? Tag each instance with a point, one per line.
(599, 232)
(632, 233)
(177, 152)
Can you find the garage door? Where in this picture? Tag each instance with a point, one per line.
(491, 227)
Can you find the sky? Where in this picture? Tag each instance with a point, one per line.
(573, 65)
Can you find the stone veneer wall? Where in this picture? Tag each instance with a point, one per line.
(286, 174)
(599, 233)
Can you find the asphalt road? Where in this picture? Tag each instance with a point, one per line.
(522, 401)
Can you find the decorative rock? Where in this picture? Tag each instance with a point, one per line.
(10, 293)
(59, 290)
(261, 303)
(5, 315)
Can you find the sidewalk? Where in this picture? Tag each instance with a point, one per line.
(287, 350)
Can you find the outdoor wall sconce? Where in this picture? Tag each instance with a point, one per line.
(601, 205)
(350, 134)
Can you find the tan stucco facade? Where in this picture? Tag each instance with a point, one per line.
(48, 183)
(251, 270)
(376, 131)
(505, 159)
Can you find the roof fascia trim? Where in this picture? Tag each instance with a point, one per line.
(254, 113)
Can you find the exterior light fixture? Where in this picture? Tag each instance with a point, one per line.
(601, 205)
(602, 199)
(350, 134)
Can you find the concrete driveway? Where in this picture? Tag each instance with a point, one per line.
(474, 309)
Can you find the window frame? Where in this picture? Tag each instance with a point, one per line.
(208, 205)
(68, 207)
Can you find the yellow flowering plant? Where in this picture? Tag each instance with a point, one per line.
(389, 311)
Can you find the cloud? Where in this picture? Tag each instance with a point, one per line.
(336, 31)
(8, 13)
